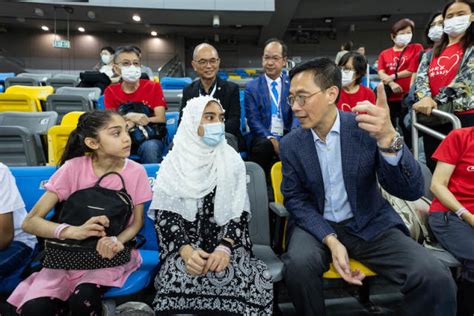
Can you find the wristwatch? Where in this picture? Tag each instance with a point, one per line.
(395, 146)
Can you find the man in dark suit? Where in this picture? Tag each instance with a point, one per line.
(206, 64)
(268, 113)
(330, 171)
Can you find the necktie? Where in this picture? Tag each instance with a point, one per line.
(274, 100)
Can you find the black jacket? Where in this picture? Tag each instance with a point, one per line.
(228, 94)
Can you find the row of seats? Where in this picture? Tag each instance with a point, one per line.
(31, 180)
(26, 138)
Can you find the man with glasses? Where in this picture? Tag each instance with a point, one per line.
(132, 89)
(331, 170)
(206, 64)
(268, 113)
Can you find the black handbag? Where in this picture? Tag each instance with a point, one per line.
(138, 133)
(71, 254)
(388, 90)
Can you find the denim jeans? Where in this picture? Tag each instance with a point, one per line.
(14, 257)
(151, 151)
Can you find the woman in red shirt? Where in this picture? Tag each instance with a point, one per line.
(452, 211)
(353, 67)
(446, 76)
(402, 54)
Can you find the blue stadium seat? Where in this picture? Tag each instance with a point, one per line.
(223, 75)
(2, 88)
(5, 75)
(171, 125)
(100, 103)
(175, 83)
(30, 182)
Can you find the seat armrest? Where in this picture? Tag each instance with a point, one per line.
(279, 209)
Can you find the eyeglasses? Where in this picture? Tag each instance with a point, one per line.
(203, 62)
(344, 68)
(271, 58)
(127, 63)
(300, 99)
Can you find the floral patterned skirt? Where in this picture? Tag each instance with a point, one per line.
(243, 288)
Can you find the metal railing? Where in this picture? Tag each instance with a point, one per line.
(173, 67)
(415, 127)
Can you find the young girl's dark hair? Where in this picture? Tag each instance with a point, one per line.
(88, 126)
(358, 62)
(467, 39)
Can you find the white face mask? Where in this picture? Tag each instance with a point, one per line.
(457, 25)
(347, 77)
(403, 39)
(435, 33)
(131, 73)
(106, 59)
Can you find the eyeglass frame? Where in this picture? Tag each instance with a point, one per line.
(292, 99)
(204, 62)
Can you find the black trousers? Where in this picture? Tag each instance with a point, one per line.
(262, 153)
(85, 300)
(426, 283)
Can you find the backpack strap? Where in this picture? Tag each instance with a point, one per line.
(108, 174)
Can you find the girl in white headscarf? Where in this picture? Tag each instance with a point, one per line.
(201, 210)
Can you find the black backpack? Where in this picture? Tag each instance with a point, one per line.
(139, 134)
(71, 254)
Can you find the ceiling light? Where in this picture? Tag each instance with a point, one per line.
(154, 33)
(81, 29)
(45, 28)
(39, 12)
(136, 18)
(327, 20)
(384, 18)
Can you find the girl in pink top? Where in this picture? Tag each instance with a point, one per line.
(98, 145)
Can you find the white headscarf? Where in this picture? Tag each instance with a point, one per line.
(193, 169)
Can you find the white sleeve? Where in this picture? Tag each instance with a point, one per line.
(10, 198)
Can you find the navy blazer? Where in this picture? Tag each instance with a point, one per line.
(258, 107)
(362, 164)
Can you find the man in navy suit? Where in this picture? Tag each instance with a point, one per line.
(331, 167)
(268, 113)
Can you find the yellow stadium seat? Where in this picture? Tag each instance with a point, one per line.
(57, 140)
(251, 71)
(58, 136)
(156, 79)
(10, 102)
(40, 93)
(71, 118)
(235, 77)
(276, 177)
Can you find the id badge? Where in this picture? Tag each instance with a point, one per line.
(277, 126)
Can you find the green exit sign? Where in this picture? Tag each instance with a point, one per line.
(61, 44)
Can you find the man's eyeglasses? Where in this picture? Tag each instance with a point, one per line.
(212, 61)
(300, 99)
(272, 58)
(129, 63)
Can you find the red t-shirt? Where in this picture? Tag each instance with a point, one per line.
(349, 100)
(458, 149)
(149, 92)
(443, 68)
(388, 60)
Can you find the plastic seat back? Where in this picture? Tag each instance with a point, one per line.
(276, 177)
(241, 82)
(67, 76)
(19, 103)
(13, 81)
(91, 94)
(63, 104)
(71, 118)
(20, 147)
(148, 229)
(173, 99)
(57, 139)
(5, 75)
(175, 83)
(36, 122)
(40, 93)
(171, 125)
(41, 77)
(57, 83)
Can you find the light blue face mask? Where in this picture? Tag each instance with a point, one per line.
(214, 133)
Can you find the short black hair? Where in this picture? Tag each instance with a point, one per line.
(284, 48)
(358, 62)
(126, 49)
(137, 48)
(347, 45)
(325, 73)
(109, 49)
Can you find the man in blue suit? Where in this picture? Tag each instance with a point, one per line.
(268, 113)
(331, 167)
